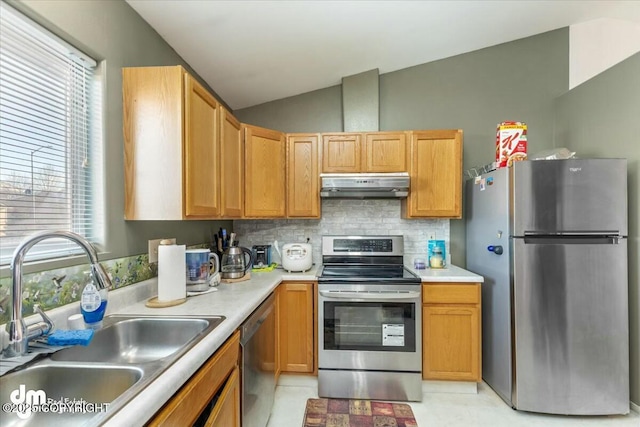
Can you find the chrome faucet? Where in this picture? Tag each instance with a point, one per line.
(19, 333)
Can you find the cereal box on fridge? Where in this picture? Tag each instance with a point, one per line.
(511, 143)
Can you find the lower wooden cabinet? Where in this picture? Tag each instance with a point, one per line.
(296, 337)
(226, 412)
(451, 322)
(212, 394)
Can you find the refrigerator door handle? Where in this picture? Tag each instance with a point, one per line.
(498, 250)
(595, 233)
(573, 240)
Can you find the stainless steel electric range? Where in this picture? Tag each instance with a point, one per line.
(369, 320)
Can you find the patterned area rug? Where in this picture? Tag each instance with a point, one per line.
(357, 413)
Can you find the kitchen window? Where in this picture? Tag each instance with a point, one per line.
(50, 139)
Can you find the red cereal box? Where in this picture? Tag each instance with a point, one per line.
(511, 143)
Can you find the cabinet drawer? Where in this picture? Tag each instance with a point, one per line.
(451, 293)
(187, 404)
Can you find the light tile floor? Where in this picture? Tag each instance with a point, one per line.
(446, 410)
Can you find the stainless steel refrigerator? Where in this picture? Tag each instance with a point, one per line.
(549, 237)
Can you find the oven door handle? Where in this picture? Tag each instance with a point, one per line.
(370, 295)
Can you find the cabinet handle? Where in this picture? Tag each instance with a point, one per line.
(370, 295)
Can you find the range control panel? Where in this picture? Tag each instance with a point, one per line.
(363, 245)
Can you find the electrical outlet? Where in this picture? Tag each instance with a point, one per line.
(153, 248)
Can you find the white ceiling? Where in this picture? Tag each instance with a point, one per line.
(251, 52)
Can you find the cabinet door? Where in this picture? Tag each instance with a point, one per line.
(436, 175)
(201, 152)
(296, 327)
(226, 412)
(341, 152)
(152, 129)
(231, 166)
(451, 344)
(264, 173)
(303, 193)
(196, 394)
(385, 152)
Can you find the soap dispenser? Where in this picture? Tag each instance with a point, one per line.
(93, 304)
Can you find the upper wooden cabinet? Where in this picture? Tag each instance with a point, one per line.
(364, 152)
(232, 166)
(436, 175)
(265, 162)
(187, 157)
(385, 152)
(341, 152)
(171, 152)
(201, 152)
(303, 187)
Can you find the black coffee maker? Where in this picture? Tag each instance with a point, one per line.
(261, 255)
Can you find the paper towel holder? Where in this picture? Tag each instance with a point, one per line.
(154, 302)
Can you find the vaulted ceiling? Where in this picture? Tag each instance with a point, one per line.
(251, 52)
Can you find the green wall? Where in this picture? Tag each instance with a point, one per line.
(361, 102)
(317, 111)
(601, 118)
(513, 81)
(474, 92)
(524, 80)
(521, 80)
(111, 31)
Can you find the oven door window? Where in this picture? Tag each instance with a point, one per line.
(370, 326)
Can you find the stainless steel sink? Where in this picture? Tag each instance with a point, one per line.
(138, 340)
(121, 360)
(91, 383)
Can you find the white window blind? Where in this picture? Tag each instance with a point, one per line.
(49, 147)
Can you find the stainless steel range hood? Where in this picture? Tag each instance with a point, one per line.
(364, 185)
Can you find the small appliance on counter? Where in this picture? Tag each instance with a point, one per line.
(235, 263)
(296, 257)
(261, 255)
(436, 254)
(202, 269)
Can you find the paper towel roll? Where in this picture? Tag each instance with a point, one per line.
(172, 273)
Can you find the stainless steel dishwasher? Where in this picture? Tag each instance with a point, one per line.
(258, 341)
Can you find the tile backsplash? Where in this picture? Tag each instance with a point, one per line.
(54, 288)
(345, 216)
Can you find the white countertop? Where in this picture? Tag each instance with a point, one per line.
(450, 274)
(235, 301)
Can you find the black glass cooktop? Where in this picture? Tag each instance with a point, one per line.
(362, 273)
